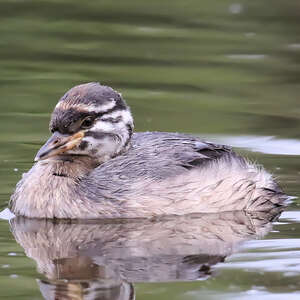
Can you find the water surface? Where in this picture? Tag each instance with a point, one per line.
(227, 71)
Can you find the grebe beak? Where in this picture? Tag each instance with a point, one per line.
(58, 144)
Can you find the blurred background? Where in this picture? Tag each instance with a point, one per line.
(225, 70)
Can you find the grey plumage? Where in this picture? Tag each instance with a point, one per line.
(93, 167)
(159, 155)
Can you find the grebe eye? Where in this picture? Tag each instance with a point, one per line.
(87, 122)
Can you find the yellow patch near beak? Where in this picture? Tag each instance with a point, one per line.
(74, 140)
(59, 144)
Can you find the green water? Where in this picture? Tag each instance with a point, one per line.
(219, 69)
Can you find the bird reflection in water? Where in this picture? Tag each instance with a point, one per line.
(103, 259)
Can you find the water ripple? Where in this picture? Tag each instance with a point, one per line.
(263, 144)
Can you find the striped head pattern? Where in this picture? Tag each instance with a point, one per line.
(91, 120)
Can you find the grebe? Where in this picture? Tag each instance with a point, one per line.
(94, 166)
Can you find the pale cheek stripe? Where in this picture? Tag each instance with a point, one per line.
(88, 108)
(103, 126)
(125, 114)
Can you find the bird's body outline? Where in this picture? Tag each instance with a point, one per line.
(94, 166)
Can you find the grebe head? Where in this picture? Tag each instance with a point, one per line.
(89, 120)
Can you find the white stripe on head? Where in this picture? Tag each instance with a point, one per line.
(125, 114)
(103, 126)
(87, 107)
(114, 127)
